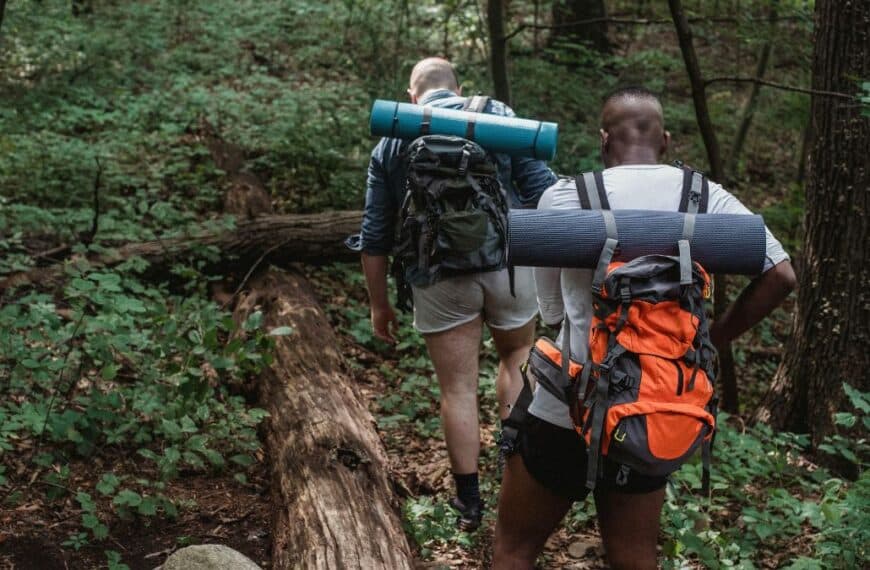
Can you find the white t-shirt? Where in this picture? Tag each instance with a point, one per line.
(637, 187)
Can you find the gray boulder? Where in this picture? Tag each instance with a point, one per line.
(209, 557)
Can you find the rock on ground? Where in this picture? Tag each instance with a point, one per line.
(209, 557)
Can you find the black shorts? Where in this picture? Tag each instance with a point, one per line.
(556, 458)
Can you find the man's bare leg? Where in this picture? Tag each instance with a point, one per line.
(513, 349)
(455, 355)
(527, 514)
(630, 527)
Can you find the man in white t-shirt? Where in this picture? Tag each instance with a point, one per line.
(547, 473)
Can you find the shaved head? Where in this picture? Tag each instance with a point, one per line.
(432, 73)
(632, 123)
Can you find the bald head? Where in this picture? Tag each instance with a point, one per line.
(632, 128)
(432, 73)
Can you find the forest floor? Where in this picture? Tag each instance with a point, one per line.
(213, 509)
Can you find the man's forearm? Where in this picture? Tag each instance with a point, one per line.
(758, 300)
(375, 271)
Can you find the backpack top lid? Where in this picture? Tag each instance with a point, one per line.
(448, 156)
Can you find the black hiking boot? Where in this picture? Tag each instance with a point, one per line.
(469, 515)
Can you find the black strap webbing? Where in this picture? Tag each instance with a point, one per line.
(427, 121)
(696, 192)
(474, 104)
(582, 192)
(590, 190)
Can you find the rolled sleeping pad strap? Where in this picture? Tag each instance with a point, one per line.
(508, 135)
(721, 243)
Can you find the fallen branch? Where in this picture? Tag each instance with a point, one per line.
(641, 22)
(780, 86)
(307, 238)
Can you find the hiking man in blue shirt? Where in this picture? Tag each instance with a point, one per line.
(450, 313)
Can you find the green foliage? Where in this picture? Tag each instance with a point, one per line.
(114, 561)
(855, 448)
(429, 521)
(125, 365)
(764, 497)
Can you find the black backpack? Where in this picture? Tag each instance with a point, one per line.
(453, 220)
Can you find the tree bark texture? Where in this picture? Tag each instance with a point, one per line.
(594, 34)
(727, 376)
(498, 54)
(830, 343)
(275, 239)
(334, 504)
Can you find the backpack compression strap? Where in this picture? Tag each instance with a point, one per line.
(477, 104)
(695, 200)
(593, 196)
(590, 190)
(474, 104)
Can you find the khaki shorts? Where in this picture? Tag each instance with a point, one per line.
(459, 300)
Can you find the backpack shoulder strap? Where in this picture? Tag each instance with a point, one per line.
(693, 200)
(590, 190)
(474, 104)
(696, 192)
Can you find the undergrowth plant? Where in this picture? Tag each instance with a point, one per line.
(119, 365)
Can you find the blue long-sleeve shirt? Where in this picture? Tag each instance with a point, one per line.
(524, 179)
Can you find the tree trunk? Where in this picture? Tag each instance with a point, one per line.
(727, 377)
(749, 109)
(308, 238)
(334, 504)
(591, 34)
(2, 13)
(830, 343)
(498, 54)
(81, 7)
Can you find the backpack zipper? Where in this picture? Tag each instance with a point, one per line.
(680, 378)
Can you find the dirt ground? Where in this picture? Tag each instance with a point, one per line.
(214, 509)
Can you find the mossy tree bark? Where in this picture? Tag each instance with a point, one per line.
(830, 343)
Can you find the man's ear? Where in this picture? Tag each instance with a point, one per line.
(413, 96)
(459, 91)
(605, 140)
(666, 142)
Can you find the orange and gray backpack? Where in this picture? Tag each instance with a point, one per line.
(644, 398)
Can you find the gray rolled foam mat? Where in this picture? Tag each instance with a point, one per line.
(722, 243)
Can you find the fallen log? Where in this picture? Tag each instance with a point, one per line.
(275, 239)
(334, 504)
